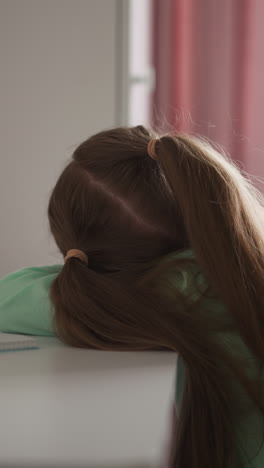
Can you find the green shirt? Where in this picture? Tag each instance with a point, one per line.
(250, 430)
(25, 308)
(24, 301)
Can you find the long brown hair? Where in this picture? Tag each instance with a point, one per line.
(130, 214)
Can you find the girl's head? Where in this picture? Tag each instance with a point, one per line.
(113, 202)
(130, 213)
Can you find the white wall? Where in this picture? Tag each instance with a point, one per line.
(141, 73)
(58, 85)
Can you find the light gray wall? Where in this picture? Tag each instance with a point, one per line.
(58, 85)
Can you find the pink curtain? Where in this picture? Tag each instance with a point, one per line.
(208, 63)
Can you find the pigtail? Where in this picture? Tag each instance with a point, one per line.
(224, 220)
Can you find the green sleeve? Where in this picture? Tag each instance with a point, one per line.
(25, 306)
(189, 280)
(183, 281)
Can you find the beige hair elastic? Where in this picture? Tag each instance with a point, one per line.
(78, 254)
(151, 148)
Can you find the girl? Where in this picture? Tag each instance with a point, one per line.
(163, 246)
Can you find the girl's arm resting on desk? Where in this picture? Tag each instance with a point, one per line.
(25, 306)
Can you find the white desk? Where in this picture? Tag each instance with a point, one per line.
(72, 408)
